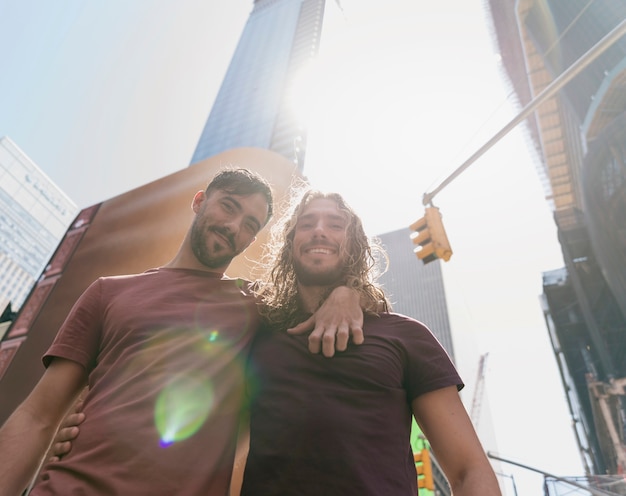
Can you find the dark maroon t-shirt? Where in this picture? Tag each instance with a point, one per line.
(165, 352)
(340, 426)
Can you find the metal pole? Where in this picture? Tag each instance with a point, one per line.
(564, 78)
(593, 491)
(512, 480)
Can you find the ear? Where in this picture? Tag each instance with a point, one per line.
(198, 198)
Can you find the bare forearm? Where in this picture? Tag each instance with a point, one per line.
(27, 433)
(480, 482)
(23, 443)
(447, 426)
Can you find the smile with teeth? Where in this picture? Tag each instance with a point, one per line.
(323, 251)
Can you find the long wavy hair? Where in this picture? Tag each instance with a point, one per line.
(363, 259)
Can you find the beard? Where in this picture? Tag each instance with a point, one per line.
(207, 257)
(327, 277)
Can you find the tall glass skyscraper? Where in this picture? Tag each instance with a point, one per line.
(252, 106)
(415, 289)
(34, 215)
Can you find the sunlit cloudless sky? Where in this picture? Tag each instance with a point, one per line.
(107, 96)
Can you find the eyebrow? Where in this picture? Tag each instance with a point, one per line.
(329, 216)
(252, 218)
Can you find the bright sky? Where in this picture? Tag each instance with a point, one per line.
(107, 96)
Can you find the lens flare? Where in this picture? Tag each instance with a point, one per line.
(182, 407)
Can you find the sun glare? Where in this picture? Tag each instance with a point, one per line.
(368, 104)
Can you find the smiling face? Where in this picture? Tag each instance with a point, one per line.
(225, 225)
(319, 243)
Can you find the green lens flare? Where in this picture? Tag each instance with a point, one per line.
(182, 407)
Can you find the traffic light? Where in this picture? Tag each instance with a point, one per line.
(430, 237)
(424, 470)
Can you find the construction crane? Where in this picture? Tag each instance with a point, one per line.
(478, 391)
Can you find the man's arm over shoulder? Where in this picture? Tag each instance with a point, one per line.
(449, 430)
(339, 317)
(27, 433)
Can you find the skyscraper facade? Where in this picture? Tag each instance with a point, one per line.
(34, 215)
(415, 289)
(252, 107)
(579, 135)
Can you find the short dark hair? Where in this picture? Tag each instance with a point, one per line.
(242, 182)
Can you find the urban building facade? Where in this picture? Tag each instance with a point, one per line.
(253, 106)
(579, 137)
(416, 289)
(34, 215)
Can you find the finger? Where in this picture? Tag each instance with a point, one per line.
(59, 450)
(328, 342)
(341, 340)
(315, 340)
(66, 434)
(73, 419)
(302, 327)
(357, 334)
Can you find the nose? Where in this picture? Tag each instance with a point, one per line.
(233, 224)
(320, 228)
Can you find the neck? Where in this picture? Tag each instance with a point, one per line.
(186, 260)
(310, 297)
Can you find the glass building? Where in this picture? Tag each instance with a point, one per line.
(252, 107)
(579, 137)
(34, 215)
(415, 289)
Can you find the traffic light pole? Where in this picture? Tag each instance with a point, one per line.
(593, 491)
(549, 91)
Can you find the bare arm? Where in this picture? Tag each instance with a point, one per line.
(448, 428)
(243, 446)
(27, 433)
(339, 317)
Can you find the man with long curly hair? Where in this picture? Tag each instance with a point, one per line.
(342, 426)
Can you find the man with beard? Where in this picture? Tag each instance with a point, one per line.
(162, 354)
(342, 426)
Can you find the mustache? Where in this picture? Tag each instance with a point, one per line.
(225, 233)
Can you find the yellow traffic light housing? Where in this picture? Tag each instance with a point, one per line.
(431, 238)
(424, 469)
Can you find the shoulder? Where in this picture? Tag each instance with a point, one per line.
(172, 274)
(110, 285)
(117, 281)
(397, 321)
(125, 278)
(400, 327)
(243, 283)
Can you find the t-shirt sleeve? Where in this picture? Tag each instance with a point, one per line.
(79, 336)
(429, 366)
